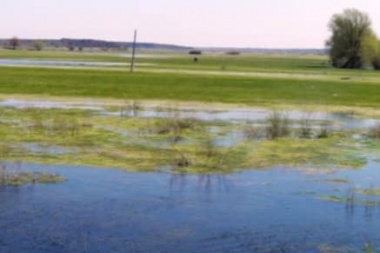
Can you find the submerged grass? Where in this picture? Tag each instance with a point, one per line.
(17, 176)
(290, 152)
(148, 144)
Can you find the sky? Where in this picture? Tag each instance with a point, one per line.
(198, 23)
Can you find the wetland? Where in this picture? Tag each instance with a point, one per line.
(250, 153)
(137, 177)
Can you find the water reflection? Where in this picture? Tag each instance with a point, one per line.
(30, 62)
(206, 183)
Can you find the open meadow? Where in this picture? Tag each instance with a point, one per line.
(253, 80)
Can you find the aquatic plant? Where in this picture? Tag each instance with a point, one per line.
(305, 128)
(182, 161)
(324, 130)
(250, 132)
(277, 125)
(374, 132)
(368, 248)
(130, 109)
(176, 126)
(17, 176)
(354, 196)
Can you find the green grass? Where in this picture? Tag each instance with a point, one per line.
(254, 91)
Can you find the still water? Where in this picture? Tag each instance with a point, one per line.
(57, 63)
(106, 210)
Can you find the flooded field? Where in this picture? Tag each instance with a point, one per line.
(58, 63)
(153, 178)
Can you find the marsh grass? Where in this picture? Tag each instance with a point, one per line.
(50, 123)
(324, 130)
(176, 126)
(130, 109)
(354, 196)
(205, 157)
(182, 161)
(252, 133)
(151, 143)
(369, 248)
(374, 132)
(16, 175)
(306, 128)
(278, 125)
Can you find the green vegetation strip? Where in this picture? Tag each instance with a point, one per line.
(21, 178)
(256, 91)
(82, 137)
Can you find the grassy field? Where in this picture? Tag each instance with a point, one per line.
(310, 81)
(252, 91)
(306, 64)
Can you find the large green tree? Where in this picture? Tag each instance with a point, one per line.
(376, 58)
(352, 42)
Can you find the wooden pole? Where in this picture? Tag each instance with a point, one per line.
(133, 52)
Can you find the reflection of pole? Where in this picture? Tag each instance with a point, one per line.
(133, 52)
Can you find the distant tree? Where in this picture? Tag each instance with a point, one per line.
(14, 43)
(196, 52)
(352, 39)
(376, 59)
(70, 47)
(38, 45)
(233, 52)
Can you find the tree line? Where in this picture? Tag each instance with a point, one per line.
(15, 43)
(353, 43)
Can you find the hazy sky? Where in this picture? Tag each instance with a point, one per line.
(236, 23)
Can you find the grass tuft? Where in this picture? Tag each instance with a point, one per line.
(277, 126)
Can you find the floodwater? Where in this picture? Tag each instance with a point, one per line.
(105, 210)
(337, 121)
(265, 211)
(58, 63)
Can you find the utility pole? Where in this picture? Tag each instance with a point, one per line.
(133, 52)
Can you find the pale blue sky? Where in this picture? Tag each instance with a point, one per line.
(237, 23)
